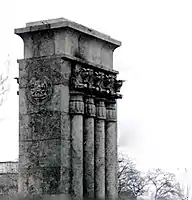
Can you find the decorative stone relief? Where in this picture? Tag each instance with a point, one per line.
(39, 90)
(76, 104)
(89, 107)
(96, 82)
(100, 109)
(118, 85)
(111, 113)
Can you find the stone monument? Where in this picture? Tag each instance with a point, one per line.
(67, 111)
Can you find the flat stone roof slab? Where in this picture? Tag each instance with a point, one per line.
(63, 23)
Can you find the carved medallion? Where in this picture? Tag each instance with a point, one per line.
(39, 90)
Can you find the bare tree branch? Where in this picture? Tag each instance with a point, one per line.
(165, 184)
(4, 86)
(130, 179)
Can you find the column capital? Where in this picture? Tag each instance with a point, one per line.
(76, 104)
(90, 110)
(100, 108)
(111, 111)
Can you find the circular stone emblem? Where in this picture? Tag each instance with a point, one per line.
(39, 90)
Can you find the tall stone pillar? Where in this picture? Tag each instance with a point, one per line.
(100, 149)
(111, 150)
(88, 143)
(42, 112)
(76, 112)
(67, 69)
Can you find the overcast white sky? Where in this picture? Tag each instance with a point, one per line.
(155, 115)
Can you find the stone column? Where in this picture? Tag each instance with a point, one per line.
(89, 147)
(76, 111)
(111, 150)
(100, 149)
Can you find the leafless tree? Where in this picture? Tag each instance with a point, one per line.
(4, 77)
(130, 180)
(165, 185)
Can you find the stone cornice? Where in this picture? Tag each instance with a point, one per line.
(71, 58)
(89, 78)
(64, 23)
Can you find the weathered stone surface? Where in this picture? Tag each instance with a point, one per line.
(111, 160)
(51, 180)
(39, 181)
(100, 150)
(100, 109)
(65, 154)
(59, 101)
(49, 21)
(65, 179)
(45, 125)
(40, 126)
(76, 105)
(56, 69)
(77, 156)
(44, 153)
(90, 110)
(100, 159)
(65, 127)
(25, 132)
(88, 151)
(8, 184)
(88, 155)
(111, 150)
(29, 182)
(76, 111)
(63, 37)
(39, 44)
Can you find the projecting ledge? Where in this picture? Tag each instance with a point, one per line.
(64, 23)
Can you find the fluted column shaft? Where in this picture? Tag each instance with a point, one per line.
(76, 112)
(88, 183)
(100, 149)
(111, 150)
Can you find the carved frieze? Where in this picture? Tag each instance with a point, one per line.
(39, 90)
(95, 81)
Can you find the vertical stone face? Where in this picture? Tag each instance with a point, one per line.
(65, 154)
(100, 150)
(44, 100)
(88, 182)
(111, 150)
(66, 143)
